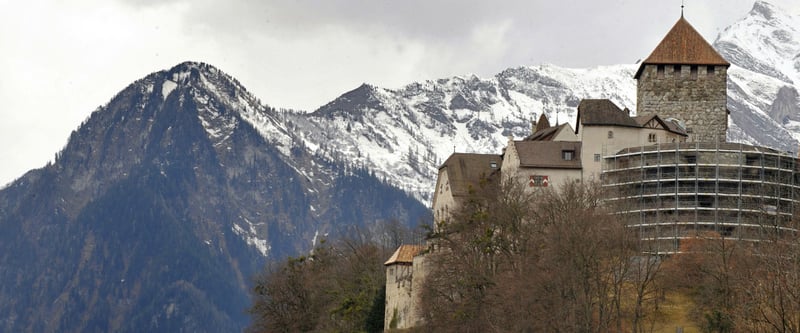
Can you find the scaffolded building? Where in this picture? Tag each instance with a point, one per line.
(669, 171)
(679, 191)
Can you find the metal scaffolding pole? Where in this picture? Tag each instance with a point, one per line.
(676, 215)
(716, 187)
(696, 185)
(739, 196)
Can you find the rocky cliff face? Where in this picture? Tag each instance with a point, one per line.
(165, 203)
(764, 48)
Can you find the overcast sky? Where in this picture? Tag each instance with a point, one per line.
(62, 59)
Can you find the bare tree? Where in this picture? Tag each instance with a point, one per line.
(515, 260)
(338, 288)
(770, 298)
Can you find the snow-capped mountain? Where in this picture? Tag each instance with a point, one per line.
(163, 206)
(764, 48)
(404, 134)
(168, 198)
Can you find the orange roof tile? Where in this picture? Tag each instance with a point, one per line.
(404, 254)
(683, 45)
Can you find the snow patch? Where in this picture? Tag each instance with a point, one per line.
(249, 236)
(314, 240)
(167, 87)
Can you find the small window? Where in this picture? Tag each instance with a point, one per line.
(568, 155)
(677, 70)
(660, 71)
(610, 134)
(710, 70)
(691, 159)
(693, 72)
(538, 181)
(493, 165)
(597, 157)
(651, 137)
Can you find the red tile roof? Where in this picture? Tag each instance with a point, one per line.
(405, 254)
(683, 45)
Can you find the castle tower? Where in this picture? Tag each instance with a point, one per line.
(685, 79)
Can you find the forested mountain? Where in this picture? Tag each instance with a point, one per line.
(163, 206)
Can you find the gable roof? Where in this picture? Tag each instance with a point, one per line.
(465, 170)
(602, 112)
(668, 125)
(404, 254)
(547, 154)
(546, 134)
(683, 45)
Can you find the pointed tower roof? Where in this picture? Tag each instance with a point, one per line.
(683, 45)
(543, 123)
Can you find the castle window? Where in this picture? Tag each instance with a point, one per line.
(651, 137)
(493, 165)
(660, 71)
(610, 134)
(693, 71)
(597, 157)
(710, 70)
(677, 70)
(538, 181)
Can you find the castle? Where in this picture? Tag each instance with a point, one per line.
(670, 166)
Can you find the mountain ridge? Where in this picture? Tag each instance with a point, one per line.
(433, 118)
(225, 182)
(163, 205)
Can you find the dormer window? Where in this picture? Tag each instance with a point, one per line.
(568, 155)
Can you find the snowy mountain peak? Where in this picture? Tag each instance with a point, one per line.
(764, 10)
(766, 41)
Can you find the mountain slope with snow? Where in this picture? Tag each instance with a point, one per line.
(764, 48)
(404, 134)
(163, 206)
(168, 198)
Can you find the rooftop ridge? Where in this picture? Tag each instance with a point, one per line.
(683, 45)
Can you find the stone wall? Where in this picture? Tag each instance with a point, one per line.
(692, 94)
(399, 300)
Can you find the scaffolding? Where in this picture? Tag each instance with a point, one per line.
(676, 191)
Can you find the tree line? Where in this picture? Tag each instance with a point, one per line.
(512, 260)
